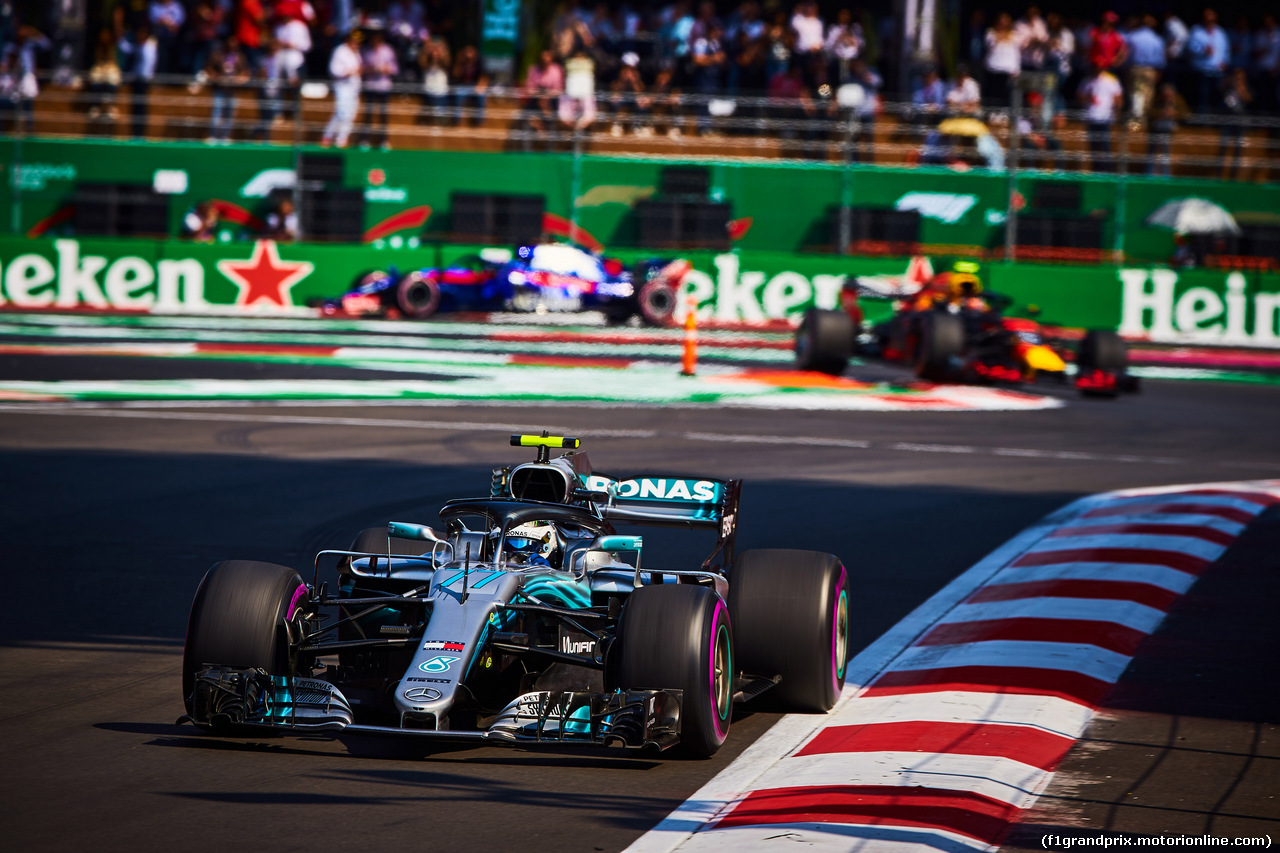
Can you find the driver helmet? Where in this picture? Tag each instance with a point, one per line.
(536, 543)
(965, 283)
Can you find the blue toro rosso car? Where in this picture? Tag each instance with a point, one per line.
(540, 279)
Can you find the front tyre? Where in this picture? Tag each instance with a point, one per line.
(239, 619)
(791, 609)
(681, 637)
(940, 344)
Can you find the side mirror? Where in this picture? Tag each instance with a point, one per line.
(618, 543)
(408, 530)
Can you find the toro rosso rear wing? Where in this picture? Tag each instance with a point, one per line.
(672, 502)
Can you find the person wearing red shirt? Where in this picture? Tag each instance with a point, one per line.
(251, 19)
(1107, 48)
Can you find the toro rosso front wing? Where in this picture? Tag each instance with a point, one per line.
(227, 697)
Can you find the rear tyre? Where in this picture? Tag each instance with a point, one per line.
(239, 618)
(1104, 350)
(791, 610)
(417, 296)
(656, 303)
(824, 341)
(680, 637)
(941, 342)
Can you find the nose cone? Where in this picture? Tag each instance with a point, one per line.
(1041, 358)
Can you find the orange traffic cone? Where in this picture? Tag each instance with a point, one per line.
(689, 359)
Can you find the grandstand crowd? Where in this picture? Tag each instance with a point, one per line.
(623, 66)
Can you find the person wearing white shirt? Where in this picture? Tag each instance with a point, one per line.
(1033, 39)
(344, 68)
(1102, 95)
(965, 96)
(294, 37)
(1004, 59)
(808, 27)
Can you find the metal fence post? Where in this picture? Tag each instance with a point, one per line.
(297, 159)
(845, 232)
(1011, 210)
(1118, 254)
(575, 183)
(15, 174)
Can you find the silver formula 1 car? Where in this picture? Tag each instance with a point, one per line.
(524, 617)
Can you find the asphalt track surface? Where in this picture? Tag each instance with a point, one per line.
(111, 514)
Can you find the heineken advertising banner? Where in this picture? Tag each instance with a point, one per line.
(781, 207)
(1177, 306)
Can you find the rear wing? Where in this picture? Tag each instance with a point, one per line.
(671, 502)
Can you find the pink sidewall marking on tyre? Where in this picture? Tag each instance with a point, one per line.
(293, 602)
(721, 731)
(838, 665)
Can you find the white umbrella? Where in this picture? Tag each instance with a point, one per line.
(1194, 216)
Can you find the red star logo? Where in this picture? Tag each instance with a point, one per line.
(264, 277)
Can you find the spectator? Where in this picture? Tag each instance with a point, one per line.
(344, 68)
(380, 67)
(930, 99)
(1236, 98)
(293, 35)
(104, 78)
(790, 100)
(627, 97)
(710, 62)
(577, 109)
(1267, 64)
(226, 70)
(201, 223)
(141, 53)
(271, 93)
(1241, 41)
(1168, 111)
(808, 28)
(864, 114)
(667, 101)
(433, 61)
(1004, 59)
(780, 40)
(1041, 142)
(747, 68)
(1147, 62)
(703, 23)
(167, 18)
(282, 223)
(1061, 55)
(22, 56)
(206, 19)
(470, 83)
(965, 96)
(1033, 37)
(675, 25)
(843, 45)
(543, 84)
(1176, 38)
(1210, 52)
(1107, 48)
(250, 23)
(1102, 96)
(8, 93)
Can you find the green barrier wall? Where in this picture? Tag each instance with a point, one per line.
(789, 205)
(260, 276)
